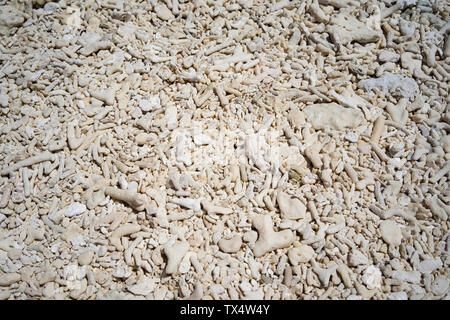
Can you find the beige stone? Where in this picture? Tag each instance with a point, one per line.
(445, 141)
(4, 294)
(390, 232)
(230, 245)
(7, 279)
(290, 208)
(163, 12)
(86, 257)
(332, 116)
(301, 254)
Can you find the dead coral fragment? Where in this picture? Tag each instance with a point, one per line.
(268, 239)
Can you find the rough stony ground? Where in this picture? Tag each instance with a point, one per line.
(224, 149)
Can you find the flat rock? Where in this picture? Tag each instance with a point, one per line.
(230, 245)
(395, 84)
(354, 297)
(49, 290)
(445, 141)
(440, 285)
(86, 257)
(350, 29)
(430, 265)
(290, 208)
(7, 279)
(397, 296)
(216, 289)
(185, 264)
(142, 138)
(357, 258)
(122, 271)
(408, 276)
(409, 62)
(407, 28)
(296, 117)
(398, 113)
(390, 232)
(143, 287)
(447, 47)
(108, 96)
(149, 104)
(117, 295)
(301, 254)
(4, 100)
(73, 234)
(10, 17)
(254, 295)
(96, 198)
(333, 116)
(74, 209)
(388, 56)
(163, 12)
(351, 136)
(101, 276)
(88, 38)
(4, 294)
(250, 236)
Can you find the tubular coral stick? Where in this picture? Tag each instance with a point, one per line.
(211, 209)
(123, 231)
(74, 143)
(378, 151)
(222, 96)
(378, 128)
(438, 175)
(351, 172)
(219, 47)
(46, 156)
(6, 195)
(135, 200)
